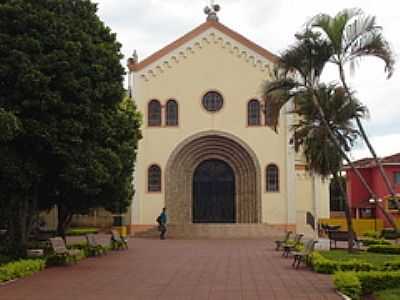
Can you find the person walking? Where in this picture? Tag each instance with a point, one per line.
(162, 223)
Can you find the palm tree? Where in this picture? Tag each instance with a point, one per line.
(312, 136)
(354, 35)
(297, 73)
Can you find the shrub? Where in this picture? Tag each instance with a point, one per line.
(90, 251)
(378, 280)
(63, 259)
(348, 283)
(386, 249)
(355, 284)
(21, 268)
(323, 265)
(393, 265)
(372, 234)
(390, 234)
(370, 242)
(81, 231)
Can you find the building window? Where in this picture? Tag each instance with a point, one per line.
(154, 179)
(272, 178)
(253, 113)
(213, 101)
(397, 178)
(172, 113)
(154, 113)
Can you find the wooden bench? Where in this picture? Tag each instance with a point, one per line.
(291, 245)
(118, 241)
(303, 256)
(279, 243)
(99, 242)
(59, 248)
(340, 236)
(75, 240)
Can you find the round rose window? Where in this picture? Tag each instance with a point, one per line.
(213, 101)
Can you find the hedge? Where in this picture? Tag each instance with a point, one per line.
(81, 231)
(370, 242)
(386, 249)
(324, 265)
(356, 284)
(21, 268)
(63, 259)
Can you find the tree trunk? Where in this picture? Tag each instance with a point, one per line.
(347, 211)
(371, 149)
(346, 158)
(64, 219)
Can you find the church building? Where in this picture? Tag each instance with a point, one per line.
(208, 153)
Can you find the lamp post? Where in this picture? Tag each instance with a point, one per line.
(374, 202)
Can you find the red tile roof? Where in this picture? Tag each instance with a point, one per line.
(370, 163)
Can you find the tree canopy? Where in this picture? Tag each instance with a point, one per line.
(73, 142)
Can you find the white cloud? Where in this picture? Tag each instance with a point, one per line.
(148, 25)
(384, 145)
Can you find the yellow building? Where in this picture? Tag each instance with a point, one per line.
(207, 152)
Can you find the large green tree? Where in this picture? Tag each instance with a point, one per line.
(61, 78)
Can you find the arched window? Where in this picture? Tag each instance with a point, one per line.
(154, 113)
(154, 179)
(172, 113)
(272, 178)
(253, 113)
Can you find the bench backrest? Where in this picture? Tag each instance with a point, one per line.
(103, 239)
(309, 247)
(58, 245)
(339, 235)
(75, 240)
(91, 240)
(298, 238)
(115, 235)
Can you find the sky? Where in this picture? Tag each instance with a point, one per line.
(149, 25)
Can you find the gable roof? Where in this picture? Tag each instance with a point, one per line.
(195, 32)
(370, 163)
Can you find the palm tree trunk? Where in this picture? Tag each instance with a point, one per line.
(347, 211)
(371, 149)
(333, 138)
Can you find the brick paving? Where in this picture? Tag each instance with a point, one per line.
(177, 269)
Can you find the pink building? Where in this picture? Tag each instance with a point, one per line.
(359, 196)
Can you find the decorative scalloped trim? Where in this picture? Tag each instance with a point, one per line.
(237, 50)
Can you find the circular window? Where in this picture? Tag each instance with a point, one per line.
(213, 101)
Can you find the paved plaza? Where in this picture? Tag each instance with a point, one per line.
(177, 269)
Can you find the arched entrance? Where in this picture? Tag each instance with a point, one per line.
(212, 145)
(213, 192)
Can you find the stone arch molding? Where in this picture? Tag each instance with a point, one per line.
(212, 145)
(202, 41)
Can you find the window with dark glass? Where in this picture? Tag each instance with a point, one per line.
(154, 179)
(253, 113)
(272, 178)
(213, 101)
(397, 178)
(172, 113)
(154, 113)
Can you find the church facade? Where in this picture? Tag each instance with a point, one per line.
(207, 152)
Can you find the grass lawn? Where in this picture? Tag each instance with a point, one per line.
(393, 294)
(373, 258)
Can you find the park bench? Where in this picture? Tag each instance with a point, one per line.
(99, 242)
(279, 243)
(59, 248)
(289, 246)
(75, 240)
(340, 236)
(303, 256)
(118, 241)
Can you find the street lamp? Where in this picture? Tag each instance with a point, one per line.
(375, 202)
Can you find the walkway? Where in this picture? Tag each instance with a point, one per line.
(177, 269)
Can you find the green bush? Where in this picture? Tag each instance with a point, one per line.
(81, 231)
(323, 265)
(355, 284)
(90, 251)
(371, 242)
(378, 280)
(63, 259)
(390, 234)
(348, 284)
(386, 249)
(21, 268)
(372, 234)
(393, 265)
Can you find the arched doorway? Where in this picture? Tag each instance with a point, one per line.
(213, 192)
(212, 145)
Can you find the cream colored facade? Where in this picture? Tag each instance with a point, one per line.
(214, 58)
